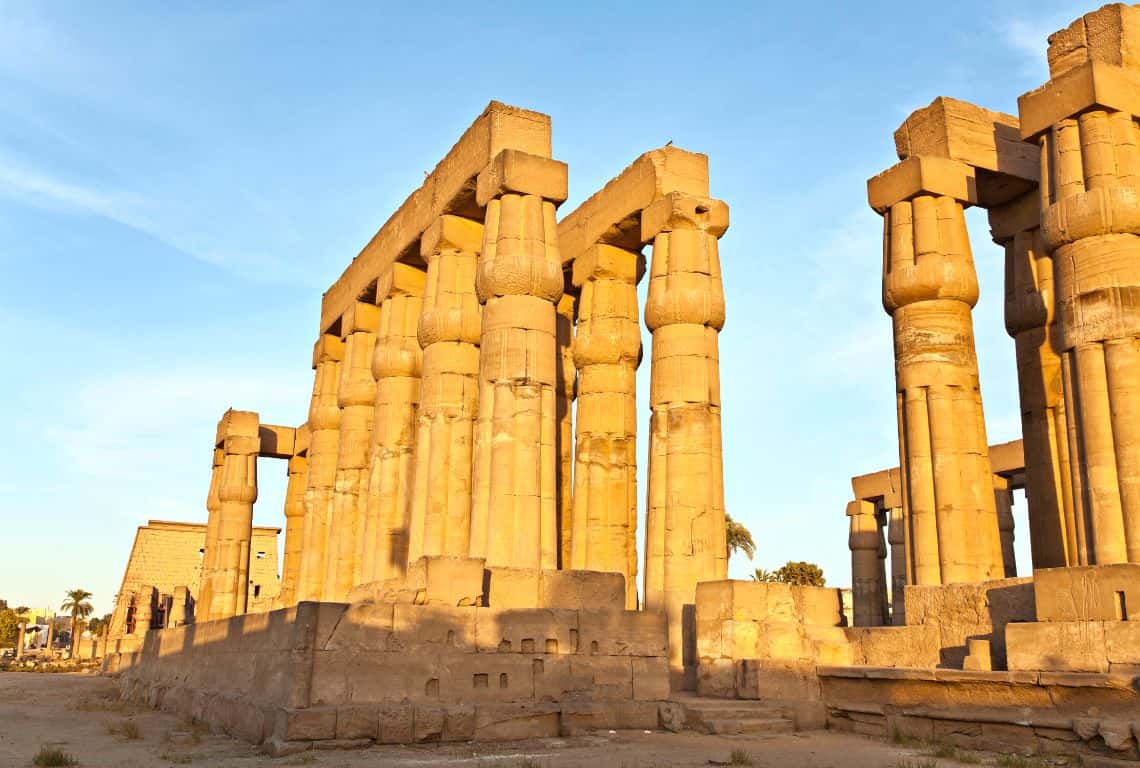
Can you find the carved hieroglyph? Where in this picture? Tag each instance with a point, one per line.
(396, 366)
(519, 282)
(607, 350)
(324, 438)
(449, 331)
(685, 524)
(1084, 121)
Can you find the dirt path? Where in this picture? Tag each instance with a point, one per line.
(82, 715)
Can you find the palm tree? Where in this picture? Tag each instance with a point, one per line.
(76, 604)
(761, 574)
(738, 538)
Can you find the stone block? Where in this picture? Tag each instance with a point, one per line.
(910, 727)
(612, 675)
(922, 175)
(428, 723)
(818, 606)
(345, 676)
(577, 589)
(305, 724)
(959, 733)
(343, 744)
(1008, 738)
(1095, 592)
(1057, 646)
(459, 722)
(453, 581)
(357, 721)
(1093, 83)
(363, 627)
(513, 587)
(512, 171)
(523, 720)
(397, 723)
(650, 678)
(716, 678)
(622, 633)
(435, 626)
(546, 631)
(1122, 642)
(555, 679)
(1110, 34)
(485, 677)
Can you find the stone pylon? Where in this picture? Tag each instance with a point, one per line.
(1030, 306)
(324, 438)
(448, 331)
(396, 368)
(1084, 122)
(294, 519)
(356, 395)
(607, 350)
(237, 491)
(685, 524)
(929, 289)
(566, 389)
(210, 549)
(519, 282)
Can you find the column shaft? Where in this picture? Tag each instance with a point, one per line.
(294, 528)
(237, 491)
(210, 548)
(566, 389)
(866, 583)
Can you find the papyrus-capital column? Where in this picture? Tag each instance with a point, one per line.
(396, 368)
(685, 524)
(324, 438)
(356, 394)
(565, 391)
(519, 281)
(210, 549)
(1054, 533)
(607, 350)
(929, 290)
(237, 491)
(1085, 122)
(864, 540)
(448, 331)
(294, 518)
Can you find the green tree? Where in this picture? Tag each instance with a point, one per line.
(76, 604)
(738, 538)
(801, 574)
(9, 628)
(97, 624)
(761, 574)
(22, 609)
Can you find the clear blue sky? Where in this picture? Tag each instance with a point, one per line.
(179, 183)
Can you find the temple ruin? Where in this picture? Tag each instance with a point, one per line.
(460, 556)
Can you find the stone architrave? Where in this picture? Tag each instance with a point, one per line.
(448, 332)
(1056, 536)
(519, 281)
(685, 522)
(324, 438)
(294, 517)
(356, 395)
(396, 368)
(238, 437)
(607, 350)
(1084, 121)
(929, 289)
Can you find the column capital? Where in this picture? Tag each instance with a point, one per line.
(239, 432)
(521, 173)
(921, 175)
(601, 261)
(329, 348)
(360, 317)
(451, 233)
(1091, 85)
(1019, 215)
(677, 210)
(401, 280)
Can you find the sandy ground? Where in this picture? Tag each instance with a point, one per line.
(82, 715)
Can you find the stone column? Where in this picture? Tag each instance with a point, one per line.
(210, 547)
(1084, 120)
(1003, 503)
(324, 438)
(607, 350)
(929, 289)
(356, 396)
(21, 628)
(866, 582)
(180, 612)
(448, 332)
(896, 537)
(237, 491)
(1029, 315)
(685, 524)
(396, 367)
(50, 635)
(294, 522)
(145, 599)
(565, 391)
(519, 281)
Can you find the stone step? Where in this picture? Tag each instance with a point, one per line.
(748, 725)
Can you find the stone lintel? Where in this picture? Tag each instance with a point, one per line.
(922, 176)
(1089, 86)
(602, 260)
(328, 347)
(980, 137)
(884, 484)
(451, 233)
(277, 442)
(677, 210)
(612, 215)
(1018, 215)
(855, 508)
(449, 188)
(400, 280)
(360, 317)
(1007, 458)
(243, 424)
(514, 171)
(1110, 34)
